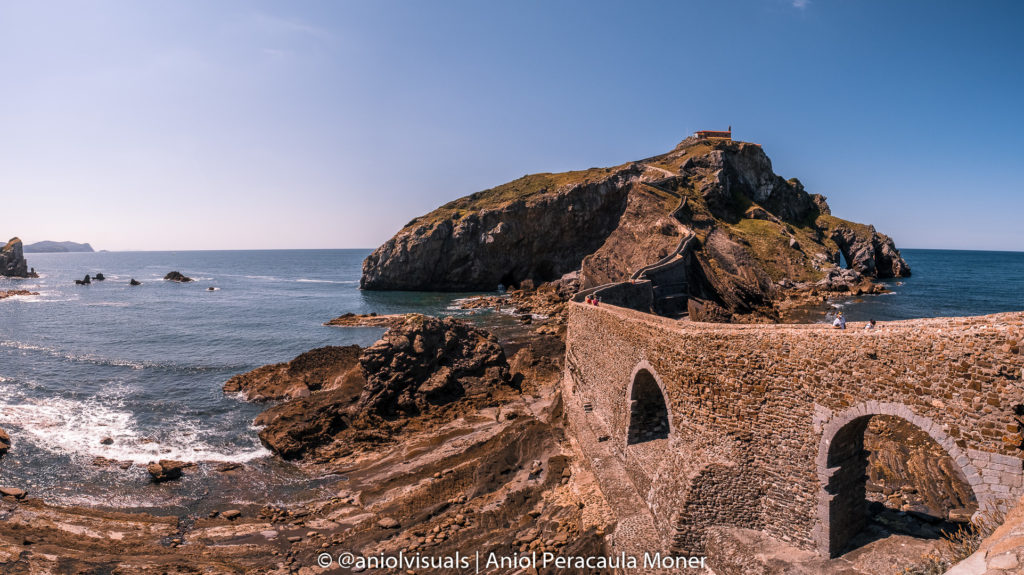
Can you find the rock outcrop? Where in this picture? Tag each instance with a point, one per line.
(428, 361)
(367, 320)
(422, 367)
(324, 368)
(5, 442)
(12, 260)
(746, 232)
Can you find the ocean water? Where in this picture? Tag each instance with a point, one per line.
(144, 365)
(946, 283)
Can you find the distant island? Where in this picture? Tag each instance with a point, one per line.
(48, 247)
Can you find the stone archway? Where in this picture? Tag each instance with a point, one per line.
(648, 409)
(842, 463)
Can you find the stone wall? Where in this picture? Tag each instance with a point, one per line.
(766, 421)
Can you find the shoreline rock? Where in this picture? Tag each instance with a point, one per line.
(368, 320)
(324, 368)
(16, 292)
(424, 367)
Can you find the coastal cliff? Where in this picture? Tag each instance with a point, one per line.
(12, 260)
(749, 235)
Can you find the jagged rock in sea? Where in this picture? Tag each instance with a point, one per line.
(166, 470)
(423, 365)
(177, 277)
(12, 261)
(134, 282)
(713, 210)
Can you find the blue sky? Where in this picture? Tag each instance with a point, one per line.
(233, 125)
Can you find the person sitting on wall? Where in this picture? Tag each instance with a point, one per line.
(840, 321)
(870, 326)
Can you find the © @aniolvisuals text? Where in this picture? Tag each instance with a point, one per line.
(487, 562)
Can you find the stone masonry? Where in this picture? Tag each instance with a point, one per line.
(766, 422)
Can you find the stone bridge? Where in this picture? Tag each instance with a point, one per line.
(693, 425)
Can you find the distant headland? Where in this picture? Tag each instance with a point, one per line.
(50, 247)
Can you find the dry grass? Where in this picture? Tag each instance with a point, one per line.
(958, 545)
(524, 188)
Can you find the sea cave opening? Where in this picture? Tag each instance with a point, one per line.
(648, 414)
(509, 280)
(892, 478)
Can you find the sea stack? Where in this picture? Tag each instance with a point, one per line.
(12, 260)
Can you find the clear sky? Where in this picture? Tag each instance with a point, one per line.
(233, 125)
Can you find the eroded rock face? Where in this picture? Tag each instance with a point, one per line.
(420, 365)
(12, 260)
(541, 236)
(294, 428)
(909, 471)
(428, 361)
(753, 232)
(869, 252)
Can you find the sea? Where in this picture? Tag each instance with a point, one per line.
(144, 365)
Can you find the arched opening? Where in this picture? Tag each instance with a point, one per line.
(648, 415)
(887, 476)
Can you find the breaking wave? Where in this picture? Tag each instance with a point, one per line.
(74, 427)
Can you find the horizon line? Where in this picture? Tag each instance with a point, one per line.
(96, 251)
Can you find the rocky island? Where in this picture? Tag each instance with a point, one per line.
(12, 261)
(708, 221)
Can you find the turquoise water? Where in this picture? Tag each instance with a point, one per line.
(145, 365)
